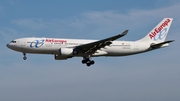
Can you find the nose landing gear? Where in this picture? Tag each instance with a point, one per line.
(24, 56)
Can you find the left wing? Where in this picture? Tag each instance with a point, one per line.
(91, 48)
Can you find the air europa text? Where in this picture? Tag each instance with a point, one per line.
(56, 40)
(157, 30)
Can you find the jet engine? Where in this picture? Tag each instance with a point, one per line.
(64, 53)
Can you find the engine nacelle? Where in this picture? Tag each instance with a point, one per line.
(66, 52)
(59, 57)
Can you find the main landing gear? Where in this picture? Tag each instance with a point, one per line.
(24, 56)
(87, 61)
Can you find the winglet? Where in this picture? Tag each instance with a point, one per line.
(119, 35)
(124, 33)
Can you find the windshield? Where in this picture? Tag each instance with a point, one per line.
(13, 41)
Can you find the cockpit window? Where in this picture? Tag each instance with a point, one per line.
(13, 41)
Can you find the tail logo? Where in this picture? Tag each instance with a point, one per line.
(162, 34)
(161, 30)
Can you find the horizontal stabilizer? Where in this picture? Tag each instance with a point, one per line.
(160, 45)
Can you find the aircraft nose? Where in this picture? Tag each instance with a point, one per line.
(8, 45)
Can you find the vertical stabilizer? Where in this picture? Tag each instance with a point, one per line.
(159, 33)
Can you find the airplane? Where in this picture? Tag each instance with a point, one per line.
(62, 48)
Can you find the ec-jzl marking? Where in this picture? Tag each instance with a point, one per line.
(67, 48)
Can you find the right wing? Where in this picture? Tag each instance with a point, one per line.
(91, 48)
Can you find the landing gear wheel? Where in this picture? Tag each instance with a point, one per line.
(24, 58)
(92, 62)
(84, 61)
(87, 61)
(88, 64)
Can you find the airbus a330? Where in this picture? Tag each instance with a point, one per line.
(63, 49)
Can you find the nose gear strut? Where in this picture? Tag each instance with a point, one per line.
(24, 56)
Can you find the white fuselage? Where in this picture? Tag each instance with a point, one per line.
(52, 46)
(67, 48)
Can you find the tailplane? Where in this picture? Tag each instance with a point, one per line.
(159, 33)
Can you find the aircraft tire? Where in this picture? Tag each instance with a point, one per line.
(92, 62)
(88, 64)
(24, 58)
(84, 61)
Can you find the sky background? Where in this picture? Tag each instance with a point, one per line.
(152, 76)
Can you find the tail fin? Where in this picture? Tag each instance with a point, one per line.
(159, 33)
